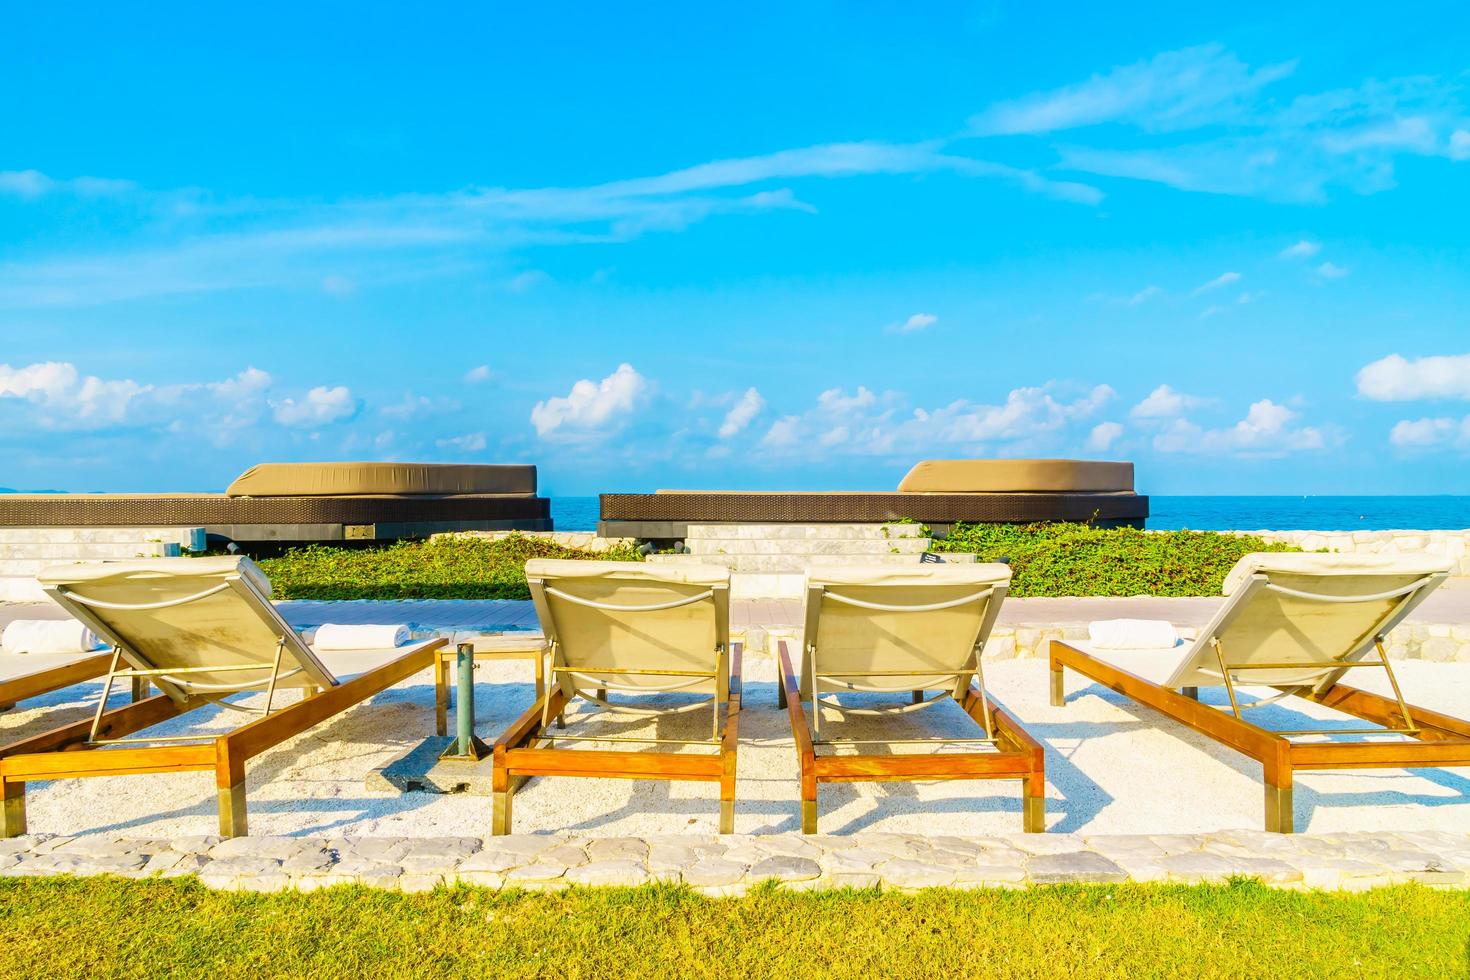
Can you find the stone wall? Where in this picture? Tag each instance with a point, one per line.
(1454, 545)
(24, 551)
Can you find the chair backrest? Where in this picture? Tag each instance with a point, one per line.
(899, 628)
(185, 614)
(634, 626)
(1318, 611)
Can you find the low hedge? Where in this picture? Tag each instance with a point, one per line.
(1048, 559)
(440, 568)
(1082, 560)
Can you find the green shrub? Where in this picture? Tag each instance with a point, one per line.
(1082, 560)
(440, 568)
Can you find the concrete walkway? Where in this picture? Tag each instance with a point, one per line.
(1449, 605)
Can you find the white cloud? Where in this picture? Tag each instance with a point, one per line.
(1328, 270)
(232, 244)
(1144, 295)
(1026, 412)
(60, 397)
(916, 322)
(1397, 379)
(472, 442)
(834, 436)
(320, 406)
(527, 281)
(1166, 403)
(1173, 90)
(1248, 143)
(338, 285)
(1427, 432)
(420, 407)
(1210, 311)
(837, 402)
(33, 183)
(1102, 436)
(742, 413)
(591, 405)
(1460, 145)
(67, 397)
(866, 423)
(1266, 431)
(782, 433)
(1223, 279)
(1301, 250)
(247, 384)
(478, 375)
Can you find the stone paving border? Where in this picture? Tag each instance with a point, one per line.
(733, 864)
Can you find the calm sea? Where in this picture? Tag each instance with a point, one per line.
(1218, 513)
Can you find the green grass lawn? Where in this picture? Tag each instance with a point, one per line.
(98, 927)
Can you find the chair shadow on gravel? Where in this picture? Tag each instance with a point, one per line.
(1284, 716)
(389, 722)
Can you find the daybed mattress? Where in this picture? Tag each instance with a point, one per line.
(703, 506)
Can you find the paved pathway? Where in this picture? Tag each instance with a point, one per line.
(730, 865)
(1449, 605)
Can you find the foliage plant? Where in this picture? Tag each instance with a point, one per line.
(1084, 560)
(448, 567)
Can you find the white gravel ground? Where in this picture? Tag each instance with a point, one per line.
(1112, 768)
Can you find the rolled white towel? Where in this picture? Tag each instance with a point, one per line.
(48, 636)
(365, 636)
(1132, 634)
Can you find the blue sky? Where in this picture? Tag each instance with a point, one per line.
(764, 245)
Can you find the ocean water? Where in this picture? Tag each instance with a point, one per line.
(1218, 513)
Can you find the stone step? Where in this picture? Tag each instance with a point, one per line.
(11, 551)
(33, 566)
(192, 538)
(809, 546)
(786, 532)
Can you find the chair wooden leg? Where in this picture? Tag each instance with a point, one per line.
(1058, 688)
(141, 687)
(1190, 692)
(6, 706)
(780, 694)
(1033, 804)
(727, 816)
(500, 820)
(917, 697)
(808, 816)
(232, 821)
(15, 808)
(441, 695)
(1279, 817)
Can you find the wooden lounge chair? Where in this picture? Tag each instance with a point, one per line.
(889, 629)
(1294, 624)
(200, 629)
(640, 629)
(33, 674)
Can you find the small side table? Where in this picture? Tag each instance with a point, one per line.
(493, 646)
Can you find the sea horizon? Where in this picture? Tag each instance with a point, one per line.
(1265, 512)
